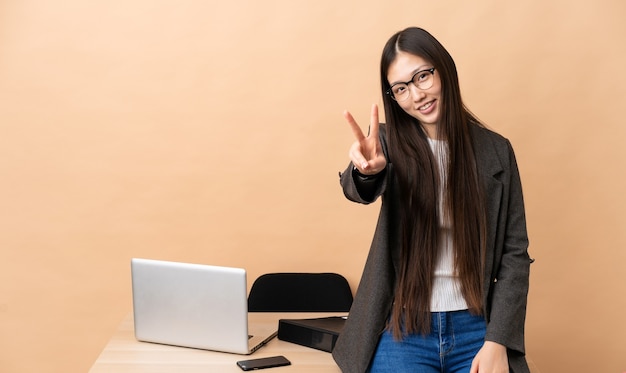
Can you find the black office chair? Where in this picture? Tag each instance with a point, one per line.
(300, 292)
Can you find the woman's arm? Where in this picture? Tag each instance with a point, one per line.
(509, 292)
(362, 188)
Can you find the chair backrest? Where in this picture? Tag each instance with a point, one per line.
(300, 292)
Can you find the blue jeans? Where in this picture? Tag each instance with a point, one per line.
(453, 342)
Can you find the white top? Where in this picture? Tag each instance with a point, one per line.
(446, 292)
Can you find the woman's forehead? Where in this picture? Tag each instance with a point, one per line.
(404, 66)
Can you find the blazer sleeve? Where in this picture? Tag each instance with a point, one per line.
(362, 189)
(366, 190)
(509, 291)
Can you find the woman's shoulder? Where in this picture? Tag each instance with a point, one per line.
(492, 150)
(482, 131)
(483, 136)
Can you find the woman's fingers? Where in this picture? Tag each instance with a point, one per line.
(354, 126)
(356, 156)
(364, 153)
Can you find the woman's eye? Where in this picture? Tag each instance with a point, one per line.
(399, 89)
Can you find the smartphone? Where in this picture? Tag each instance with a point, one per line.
(265, 362)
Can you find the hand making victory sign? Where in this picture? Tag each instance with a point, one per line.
(366, 152)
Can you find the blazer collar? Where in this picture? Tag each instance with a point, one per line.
(487, 160)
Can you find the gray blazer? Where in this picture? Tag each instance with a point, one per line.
(507, 264)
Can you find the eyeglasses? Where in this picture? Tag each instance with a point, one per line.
(422, 79)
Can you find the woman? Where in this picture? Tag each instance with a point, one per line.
(445, 285)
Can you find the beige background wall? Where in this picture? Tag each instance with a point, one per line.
(211, 132)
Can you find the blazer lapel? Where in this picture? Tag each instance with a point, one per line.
(489, 167)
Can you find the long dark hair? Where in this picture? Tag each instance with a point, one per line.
(418, 179)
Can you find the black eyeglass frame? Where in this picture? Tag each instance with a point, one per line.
(390, 93)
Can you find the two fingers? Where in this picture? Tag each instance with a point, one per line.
(363, 144)
(358, 133)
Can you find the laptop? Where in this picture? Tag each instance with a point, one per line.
(194, 305)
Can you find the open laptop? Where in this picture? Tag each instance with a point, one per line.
(194, 305)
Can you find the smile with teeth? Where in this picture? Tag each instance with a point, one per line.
(425, 106)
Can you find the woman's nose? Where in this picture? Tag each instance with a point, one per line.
(416, 93)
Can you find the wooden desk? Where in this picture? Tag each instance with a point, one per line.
(124, 354)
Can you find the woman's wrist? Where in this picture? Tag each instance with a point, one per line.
(362, 176)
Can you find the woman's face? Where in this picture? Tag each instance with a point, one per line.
(424, 105)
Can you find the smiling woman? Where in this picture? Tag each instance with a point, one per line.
(448, 266)
(192, 132)
(423, 90)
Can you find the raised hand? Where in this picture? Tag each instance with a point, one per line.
(366, 152)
